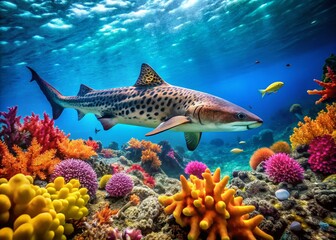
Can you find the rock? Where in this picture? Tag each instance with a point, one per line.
(295, 226)
(282, 194)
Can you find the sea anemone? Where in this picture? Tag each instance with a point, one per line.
(323, 155)
(259, 156)
(281, 147)
(195, 168)
(77, 169)
(282, 168)
(119, 185)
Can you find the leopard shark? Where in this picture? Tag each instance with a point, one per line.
(152, 102)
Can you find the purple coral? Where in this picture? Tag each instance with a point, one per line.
(127, 234)
(195, 168)
(119, 185)
(282, 168)
(10, 131)
(77, 169)
(323, 154)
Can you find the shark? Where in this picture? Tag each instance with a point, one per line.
(152, 102)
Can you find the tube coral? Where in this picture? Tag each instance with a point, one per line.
(305, 132)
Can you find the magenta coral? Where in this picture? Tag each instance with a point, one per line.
(10, 131)
(282, 168)
(195, 168)
(323, 154)
(77, 169)
(119, 185)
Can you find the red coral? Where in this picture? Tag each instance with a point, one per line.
(93, 144)
(107, 153)
(116, 168)
(329, 91)
(10, 131)
(44, 131)
(147, 179)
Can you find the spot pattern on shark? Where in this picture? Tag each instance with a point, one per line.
(154, 103)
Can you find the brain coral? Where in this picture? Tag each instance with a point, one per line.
(282, 168)
(195, 168)
(207, 205)
(281, 147)
(323, 155)
(77, 169)
(119, 185)
(259, 156)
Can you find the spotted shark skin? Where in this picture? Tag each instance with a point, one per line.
(152, 102)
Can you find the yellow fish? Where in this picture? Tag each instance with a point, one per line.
(236, 150)
(273, 87)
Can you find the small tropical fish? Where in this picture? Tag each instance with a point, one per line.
(257, 62)
(97, 130)
(236, 150)
(288, 65)
(272, 88)
(152, 102)
(242, 142)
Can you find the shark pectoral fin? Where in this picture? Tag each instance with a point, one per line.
(171, 123)
(80, 114)
(192, 139)
(107, 122)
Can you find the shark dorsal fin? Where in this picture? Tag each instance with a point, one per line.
(148, 77)
(83, 89)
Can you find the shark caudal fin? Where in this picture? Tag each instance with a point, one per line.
(263, 92)
(50, 92)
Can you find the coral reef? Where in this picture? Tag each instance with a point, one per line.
(146, 178)
(282, 168)
(75, 149)
(323, 155)
(31, 212)
(329, 85)
(32, 161)
(107, 153)
(206, 205)
(325, 123)
(281, 147)
(195, 168)
(93, 144)
(259, 156)
(119, 185)
(77, 169)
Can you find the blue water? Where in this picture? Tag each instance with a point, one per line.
(211, 46)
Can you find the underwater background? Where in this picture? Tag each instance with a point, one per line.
(228, 48)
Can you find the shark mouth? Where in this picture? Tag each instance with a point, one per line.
(251, 125)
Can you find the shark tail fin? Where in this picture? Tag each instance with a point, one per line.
(263, 92)
(51, 93)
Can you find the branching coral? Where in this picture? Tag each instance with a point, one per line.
(44, 131)
(329, 85)
(147, 179)
(150, 157)
(32, 162)
(325, 123)
(75, 149)
(10, 131)
(105, 214)
(93, 144)
(206, 205)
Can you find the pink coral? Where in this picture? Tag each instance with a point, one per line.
(282, 168)
(195, 168)
(323, 154)
(119, 185)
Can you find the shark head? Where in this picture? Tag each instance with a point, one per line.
(225, 116)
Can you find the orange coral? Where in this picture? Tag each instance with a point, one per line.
(134, 143)
(260, 155)
(135, 199)
(329, 91)
(207, 205)
(152, 157)
(32, 162)
(104, 215)
(151, 146)
(305, 132)
(75, 149)
(281, 147)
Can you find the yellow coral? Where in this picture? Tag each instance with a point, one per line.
(75, 149)
(104, 179)
(206, 205)
(134, 143)
(325, 123)
(30, 212)
(30, 162)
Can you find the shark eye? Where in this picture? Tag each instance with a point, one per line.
(241, 116)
